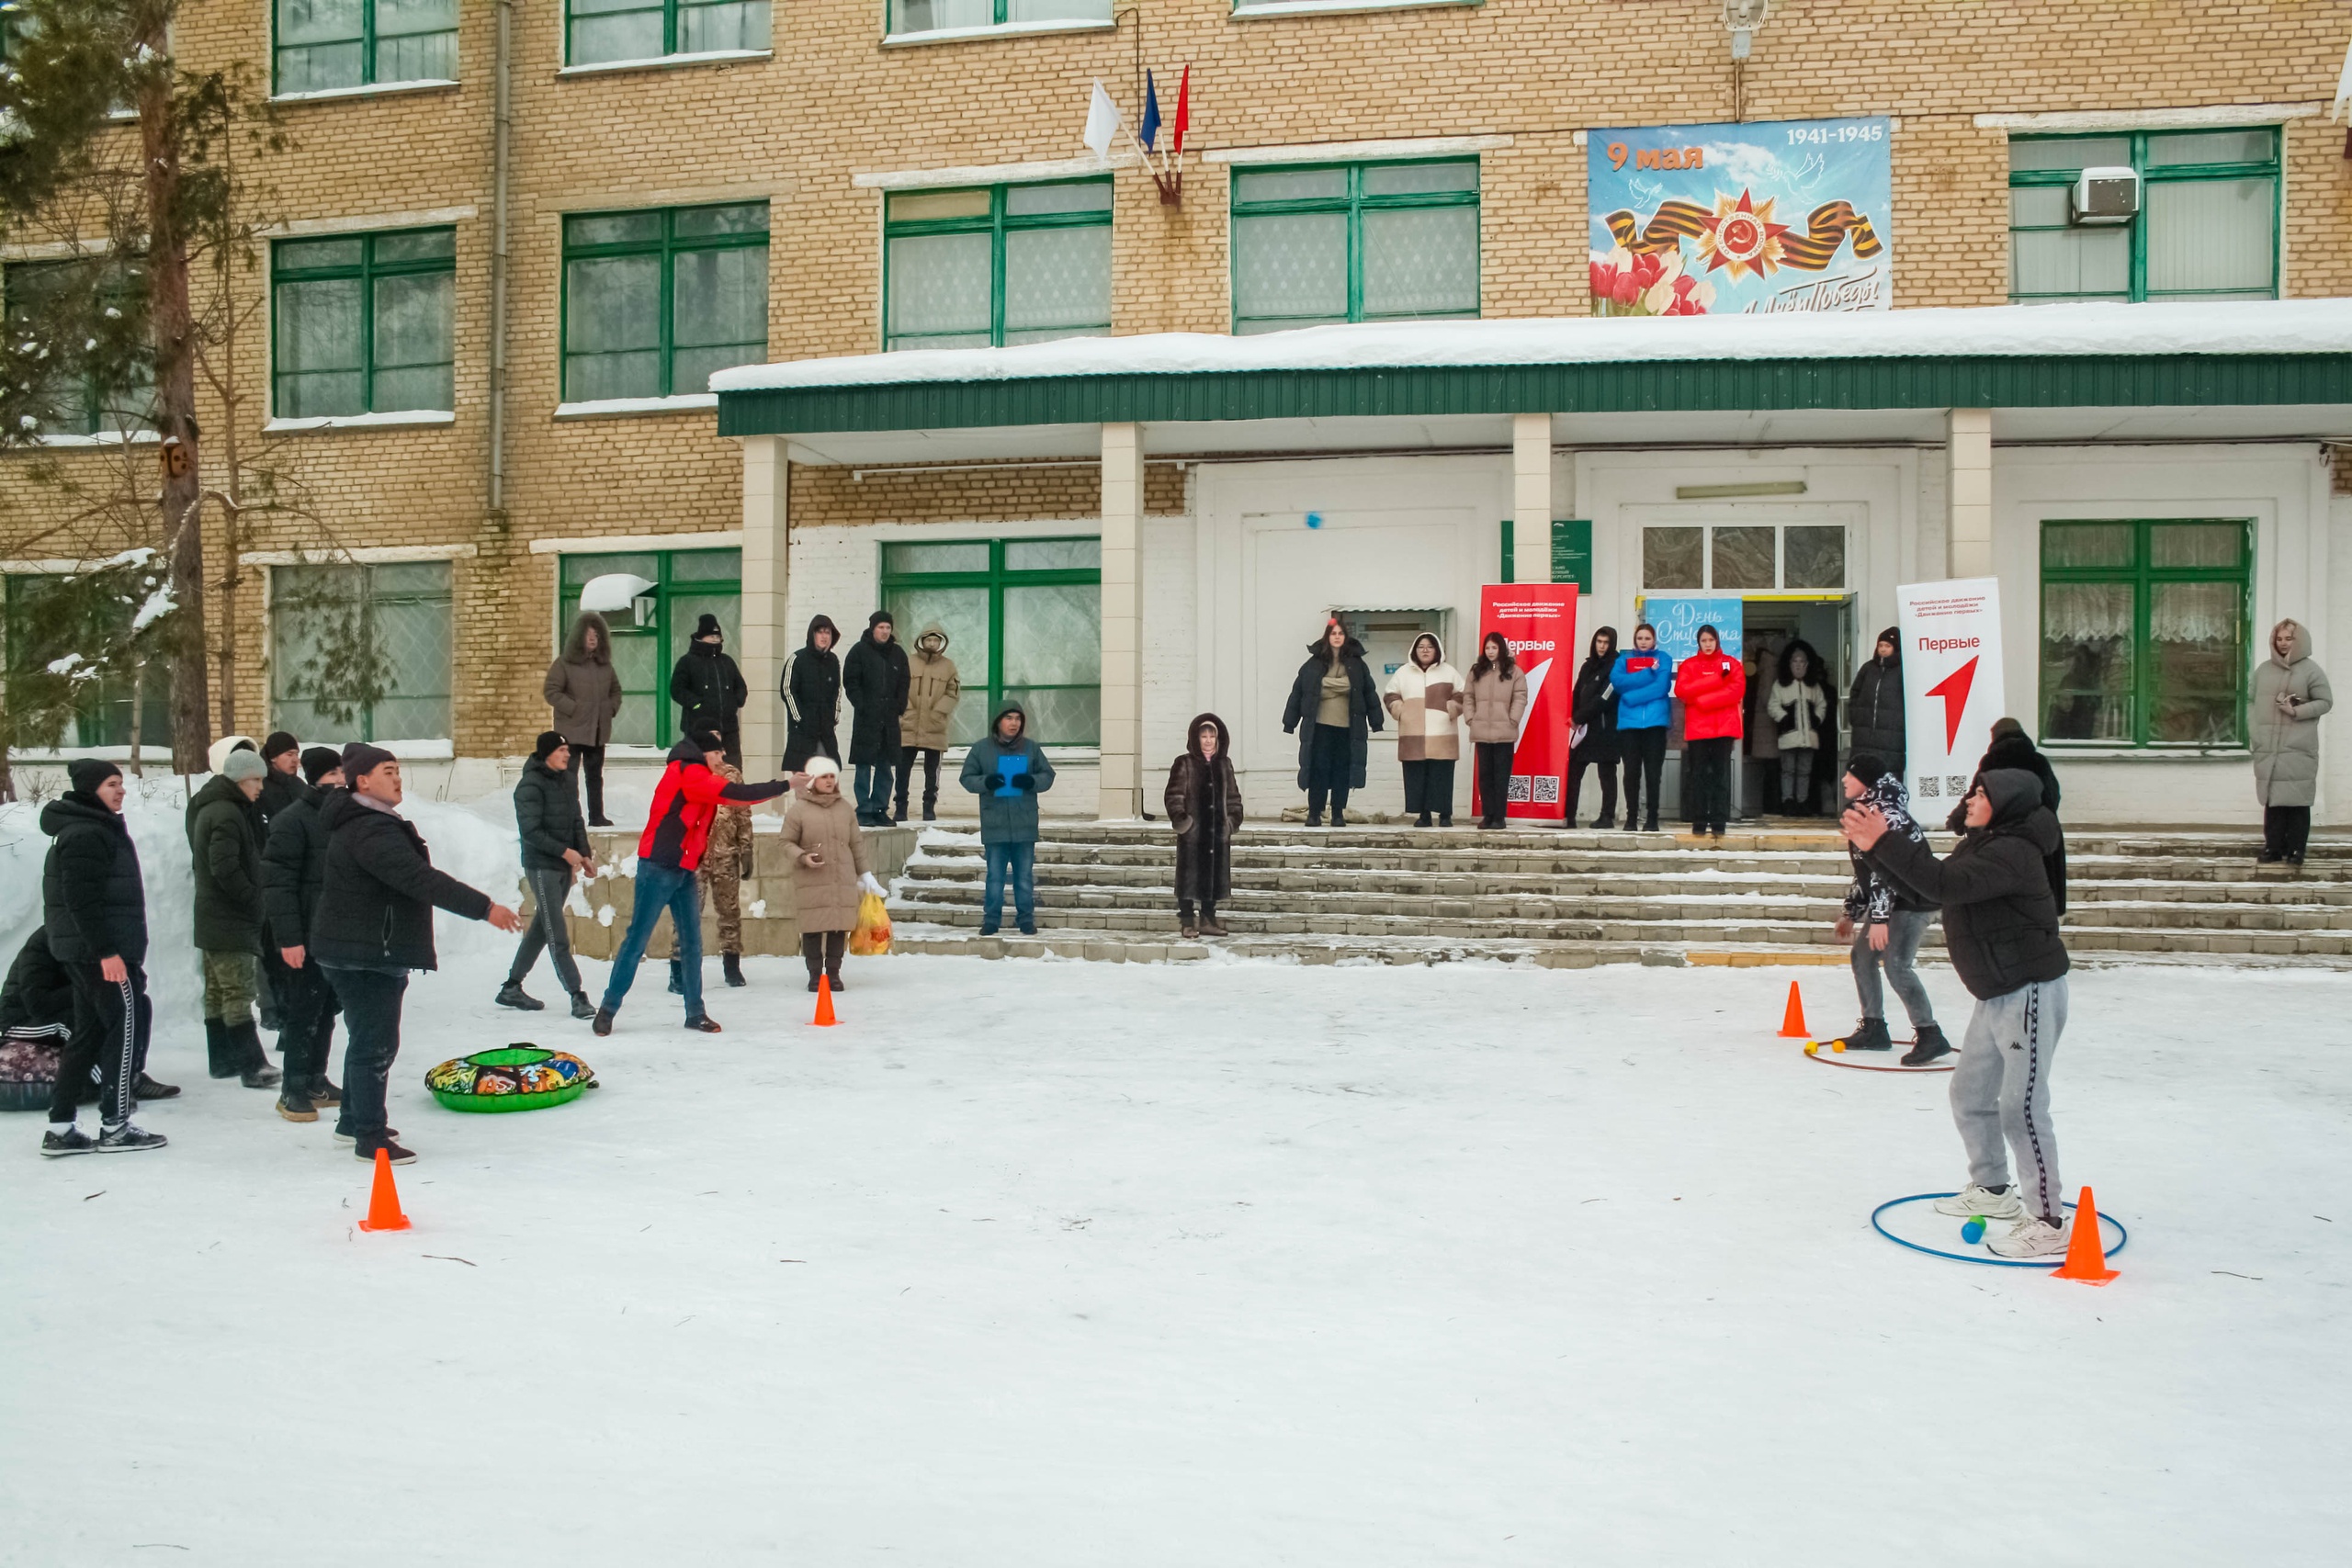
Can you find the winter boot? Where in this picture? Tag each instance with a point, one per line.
(128, 1139)
(1422, 820)
(603, 1021)
(219, 1060)
(294, 1100)
(254, 1069)
(833, 978)
(1212, 926)
(733, 965)
(1870, 1035)
(1339, 817)
(512, 994)
(677, 978)
(581, 1006)
(1931, 1045)
(56, 1145)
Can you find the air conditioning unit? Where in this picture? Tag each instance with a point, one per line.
(2104, 195)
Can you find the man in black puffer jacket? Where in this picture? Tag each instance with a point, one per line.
(874, 677)
(2001, 933)
(2009, 747)
(708, 688)
(373, 925)
(94, 905)
(1874, 704)
(293, 871)
(224, 839)
(555, 849)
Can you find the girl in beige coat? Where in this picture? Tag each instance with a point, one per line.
(1494, 704)
(829, 869)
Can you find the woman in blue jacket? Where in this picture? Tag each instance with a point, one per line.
(1644, 682)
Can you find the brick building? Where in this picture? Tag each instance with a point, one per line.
(691, 186)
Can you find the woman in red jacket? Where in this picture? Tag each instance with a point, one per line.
(1712, 687)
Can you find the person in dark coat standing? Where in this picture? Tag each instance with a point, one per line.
(811, 689)
(1593, 719)
(1008, 771)
(224, 841)
(374, 924)
(875, 678)
(1874, 704)
(555, 849)
(709, 690)
(1334, 707)
(293, 870)
(583, 691)
(94, 906)
(2010, 749)
(2001, 934)
(282, 785)
(1203, 803)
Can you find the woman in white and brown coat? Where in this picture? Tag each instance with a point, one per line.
(1425, 698)
(1203, 802)
(584, 690)
(829, 869)
(1495, 704)
(2290, 693)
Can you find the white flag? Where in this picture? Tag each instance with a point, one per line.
(1102, 122)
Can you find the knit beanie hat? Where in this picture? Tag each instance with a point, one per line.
(546, 745)
(1867, 766)
(360, 758)
(239, 766)
(2005, 728)
(86, 773)
(318, 762)
(708, 626)
(822, 767)
(277, 745)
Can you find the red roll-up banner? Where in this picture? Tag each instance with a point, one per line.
(1539, 619)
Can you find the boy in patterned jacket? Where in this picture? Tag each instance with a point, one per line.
(1886, 923)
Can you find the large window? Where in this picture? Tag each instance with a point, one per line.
(928, 16)
(2207, 227)
(2143, 632)
(77, 398)
(599, 31)
(366, 323)
(1748, 557)
(102, 707)
(361, 652)
(653, 302)
(992, 266)
(325, 44)
(688, 585)
(1024, 619)
(1354, 243)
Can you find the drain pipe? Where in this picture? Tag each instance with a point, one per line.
(499, 157)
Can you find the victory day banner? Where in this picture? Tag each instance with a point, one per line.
(1717, 219)
(1951, 686)
(1539, 619)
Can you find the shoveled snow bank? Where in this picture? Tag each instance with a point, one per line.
(2253, 326)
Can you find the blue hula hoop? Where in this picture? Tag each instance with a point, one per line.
(2121, 1237)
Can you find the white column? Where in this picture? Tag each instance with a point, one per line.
(767, 475)
(1968, 493)
(1531, 496)
(1122, 767)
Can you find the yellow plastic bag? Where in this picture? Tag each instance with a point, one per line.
(873, 934)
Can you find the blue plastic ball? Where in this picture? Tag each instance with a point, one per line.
(1315, 520)
(1972, 1232)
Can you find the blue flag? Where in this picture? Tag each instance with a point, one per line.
(1150, 133)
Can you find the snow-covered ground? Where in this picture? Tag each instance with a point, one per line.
(1050, 1263)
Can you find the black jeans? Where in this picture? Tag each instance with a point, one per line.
(907, 755)
(1706, 781)
(310, 1006)
(589, 762)
(1329, 765)
(2286, 831)
(1428, 787)
(1494, 779)
(110, 1041)
(371, 1019)
(1579, 761)
(1643, 752)
(823, 951)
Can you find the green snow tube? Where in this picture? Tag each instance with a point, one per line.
(521, 1076)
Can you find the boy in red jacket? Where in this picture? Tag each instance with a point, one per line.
(1712, 687)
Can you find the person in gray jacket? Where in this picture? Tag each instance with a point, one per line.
(2290, 693)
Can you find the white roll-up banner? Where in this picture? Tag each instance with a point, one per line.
(1951, 686)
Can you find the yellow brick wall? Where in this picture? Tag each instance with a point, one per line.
(832, 103)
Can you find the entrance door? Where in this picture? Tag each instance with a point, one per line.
(1774, 622)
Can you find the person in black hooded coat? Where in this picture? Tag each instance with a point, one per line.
(709, 690)
(811, 689)
(94, 906)
(1874, 704)
(874, 677)
(1335, 707)
(1593, 710)
(2010, 749)
(1204, 805)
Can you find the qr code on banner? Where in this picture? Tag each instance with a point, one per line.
(1956, 786)
(1930, 787)
(1547, 789)
(1518, 790)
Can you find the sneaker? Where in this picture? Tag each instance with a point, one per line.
(294, 1103)
(148, 1089)
(603, 1021)
(1029, 928)
(72, 1141)
(400, 1156)
(1870, 1035)
(2033, 1237)
(512, 994)
(702, 1023)
(322, 1090)
(581, 1006)
(989, 928)
(344, 1135)
(128, 1139)
(1972, 1201)
(1930, 1046)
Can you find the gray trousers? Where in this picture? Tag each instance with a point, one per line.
(547, 931)
(1905, 928)
(2000, 1090)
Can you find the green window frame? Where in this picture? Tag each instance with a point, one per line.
(80, 402)
(602, 32)
(688, 584)
(102, 709)
(1024, 619)
(2146, 633)
(327, 45)
(2178, 247)
(1041, 251)
(655, 300)
(11, 17)
(363, 323)
(406, 619)
(1314, 243)
(940, 15)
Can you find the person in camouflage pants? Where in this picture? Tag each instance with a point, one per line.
(723, 865)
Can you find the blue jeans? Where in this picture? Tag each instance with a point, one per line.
(659, 889)
(1019, 862)
(371, 1022)
(875, 781)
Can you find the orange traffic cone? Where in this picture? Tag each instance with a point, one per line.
(824, 1019)
(1793, 1020)
(384, 1201)
(2085, 1252)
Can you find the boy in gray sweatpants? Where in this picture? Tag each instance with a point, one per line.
(1886, 925)
(2001, 930)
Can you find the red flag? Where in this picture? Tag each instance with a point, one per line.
(1183, 106)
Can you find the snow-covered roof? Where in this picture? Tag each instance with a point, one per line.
(2233, 327)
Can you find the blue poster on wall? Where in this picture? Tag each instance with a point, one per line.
(1678, 622)
(1719, 219)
